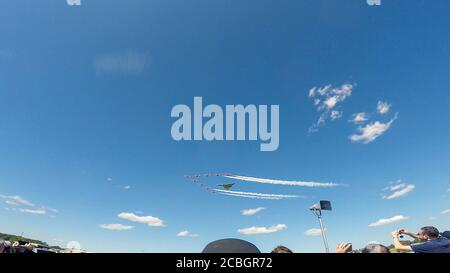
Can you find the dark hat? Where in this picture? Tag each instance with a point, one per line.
(230, 246)
(446, 234)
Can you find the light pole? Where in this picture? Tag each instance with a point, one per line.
(317, 211)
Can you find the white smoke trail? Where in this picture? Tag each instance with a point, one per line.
(266, 195)
(250, 196)
(281, 182)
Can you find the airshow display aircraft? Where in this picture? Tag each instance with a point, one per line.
(254, 195)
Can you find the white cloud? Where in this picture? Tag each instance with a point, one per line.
(359, 118)
(33, 211)
(127, 187)
(324, 90)
(335, 114)
(186, 233)
(51, 209)
(383, 107)
(331, 102)
(73, 2)
(373, 2)
(148, 220)
(10, 202)
(22, 203)
(109, 179)
(261, 230)
(123, 63)
(372, 131)
(388, 221)
(321, 91)
(313, 232)
(116, 227)
(445, 211)
(326, 99)
(16, 200)
(396, 186)
(399, 190)
(252, 211)
(183, 233)
(312, 92)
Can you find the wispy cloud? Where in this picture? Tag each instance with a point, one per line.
(148, 220)
(39, 212)
(16, 200)
(122, 63)
(359, 118)
(252, 211)
(313, 232)
(383, 107)
(33, 211)
(73, 2)
(23, 205)
(186, 233)
(445, 211)
(261, 230)
(116, 227)
(326, 100)
(372, 131)
(398, 190)
(51, 209)
(395, 186)
(127, 187)
(388, 221)
(335, 114)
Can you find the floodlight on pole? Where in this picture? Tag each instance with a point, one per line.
(317, 211)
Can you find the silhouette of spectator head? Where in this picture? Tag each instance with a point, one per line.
(230, 246)
(375, 248)
(281, 249)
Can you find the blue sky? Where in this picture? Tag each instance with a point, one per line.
(86, 93)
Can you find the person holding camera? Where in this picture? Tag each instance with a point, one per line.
(431, 241)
